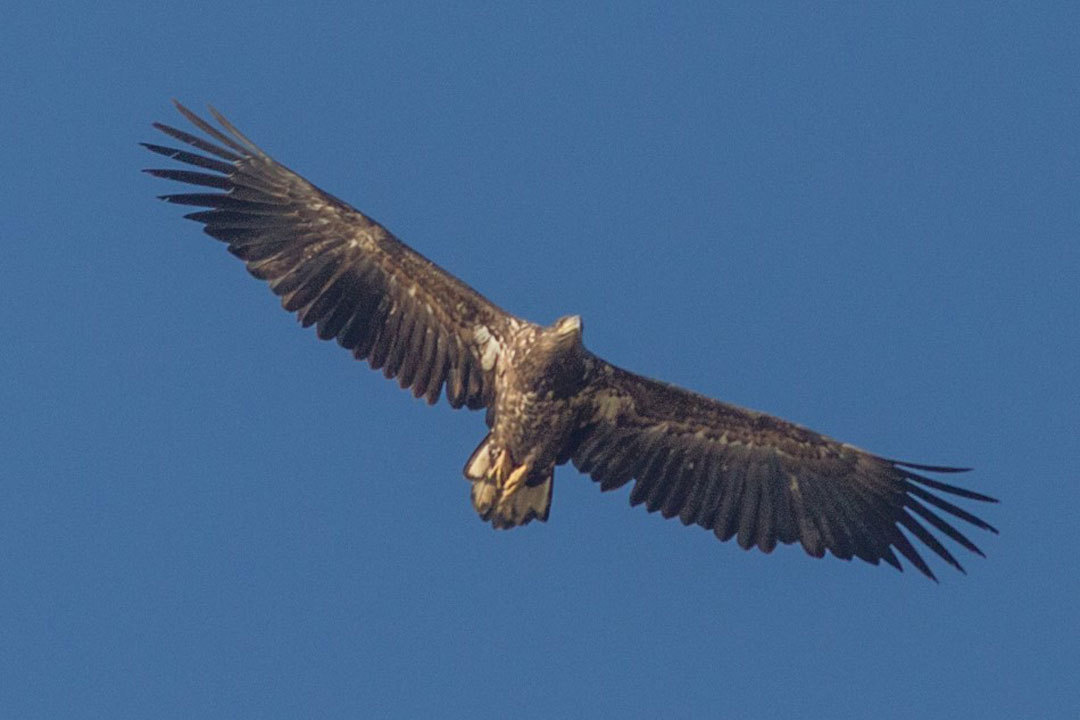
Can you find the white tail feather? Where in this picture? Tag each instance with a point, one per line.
(504, 504)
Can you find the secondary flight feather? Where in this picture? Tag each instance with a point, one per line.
(736, 472)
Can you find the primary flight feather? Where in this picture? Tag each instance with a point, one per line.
(739, 473)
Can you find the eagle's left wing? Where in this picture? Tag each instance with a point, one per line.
(743, 473)
(340, 270)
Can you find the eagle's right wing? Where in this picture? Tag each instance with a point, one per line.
(764, 480)
(340, 270)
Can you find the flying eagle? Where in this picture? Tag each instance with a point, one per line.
(736, 472)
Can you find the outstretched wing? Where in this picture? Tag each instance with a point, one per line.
(340, 270)
(761, 479)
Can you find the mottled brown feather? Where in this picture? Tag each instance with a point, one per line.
(759, 479)
(335, 267)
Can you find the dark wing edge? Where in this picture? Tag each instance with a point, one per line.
(337, 269)
(760, 479)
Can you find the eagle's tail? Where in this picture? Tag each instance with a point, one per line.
(505, 495)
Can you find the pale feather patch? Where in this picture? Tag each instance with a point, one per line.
(483, 498)
(488, 346)
(524, 505)
(479, 465)
(608, 407)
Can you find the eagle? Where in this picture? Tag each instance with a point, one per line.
(736, 472)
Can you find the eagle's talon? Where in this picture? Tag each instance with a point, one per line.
(501, 469)
(515, 481)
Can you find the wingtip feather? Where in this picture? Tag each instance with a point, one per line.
(927, 468)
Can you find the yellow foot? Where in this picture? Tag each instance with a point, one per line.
(502, 467)
(515, 481)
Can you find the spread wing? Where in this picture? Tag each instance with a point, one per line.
(761, 479)
(338, 269)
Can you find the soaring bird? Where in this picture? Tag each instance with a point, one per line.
(736, 472)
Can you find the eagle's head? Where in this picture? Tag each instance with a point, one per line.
(569, 325)
(559, 341)
(568, 329)
(558, 350)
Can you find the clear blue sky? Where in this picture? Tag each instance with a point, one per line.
(858, 217)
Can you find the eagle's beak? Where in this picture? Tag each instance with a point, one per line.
(569, 325)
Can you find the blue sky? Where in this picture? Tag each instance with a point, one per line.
(859, 217)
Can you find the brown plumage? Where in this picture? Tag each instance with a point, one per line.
(736, 472)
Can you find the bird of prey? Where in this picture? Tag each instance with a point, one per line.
(736, 472)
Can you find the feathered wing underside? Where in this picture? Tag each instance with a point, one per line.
(338, 269)
(760, 479)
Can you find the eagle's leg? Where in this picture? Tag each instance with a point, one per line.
(514, 481)
(503, 467)
(500, 493)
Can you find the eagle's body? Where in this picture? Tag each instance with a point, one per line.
(539, 379)
(736, 472)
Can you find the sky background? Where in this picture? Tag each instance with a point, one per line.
(860, 217)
